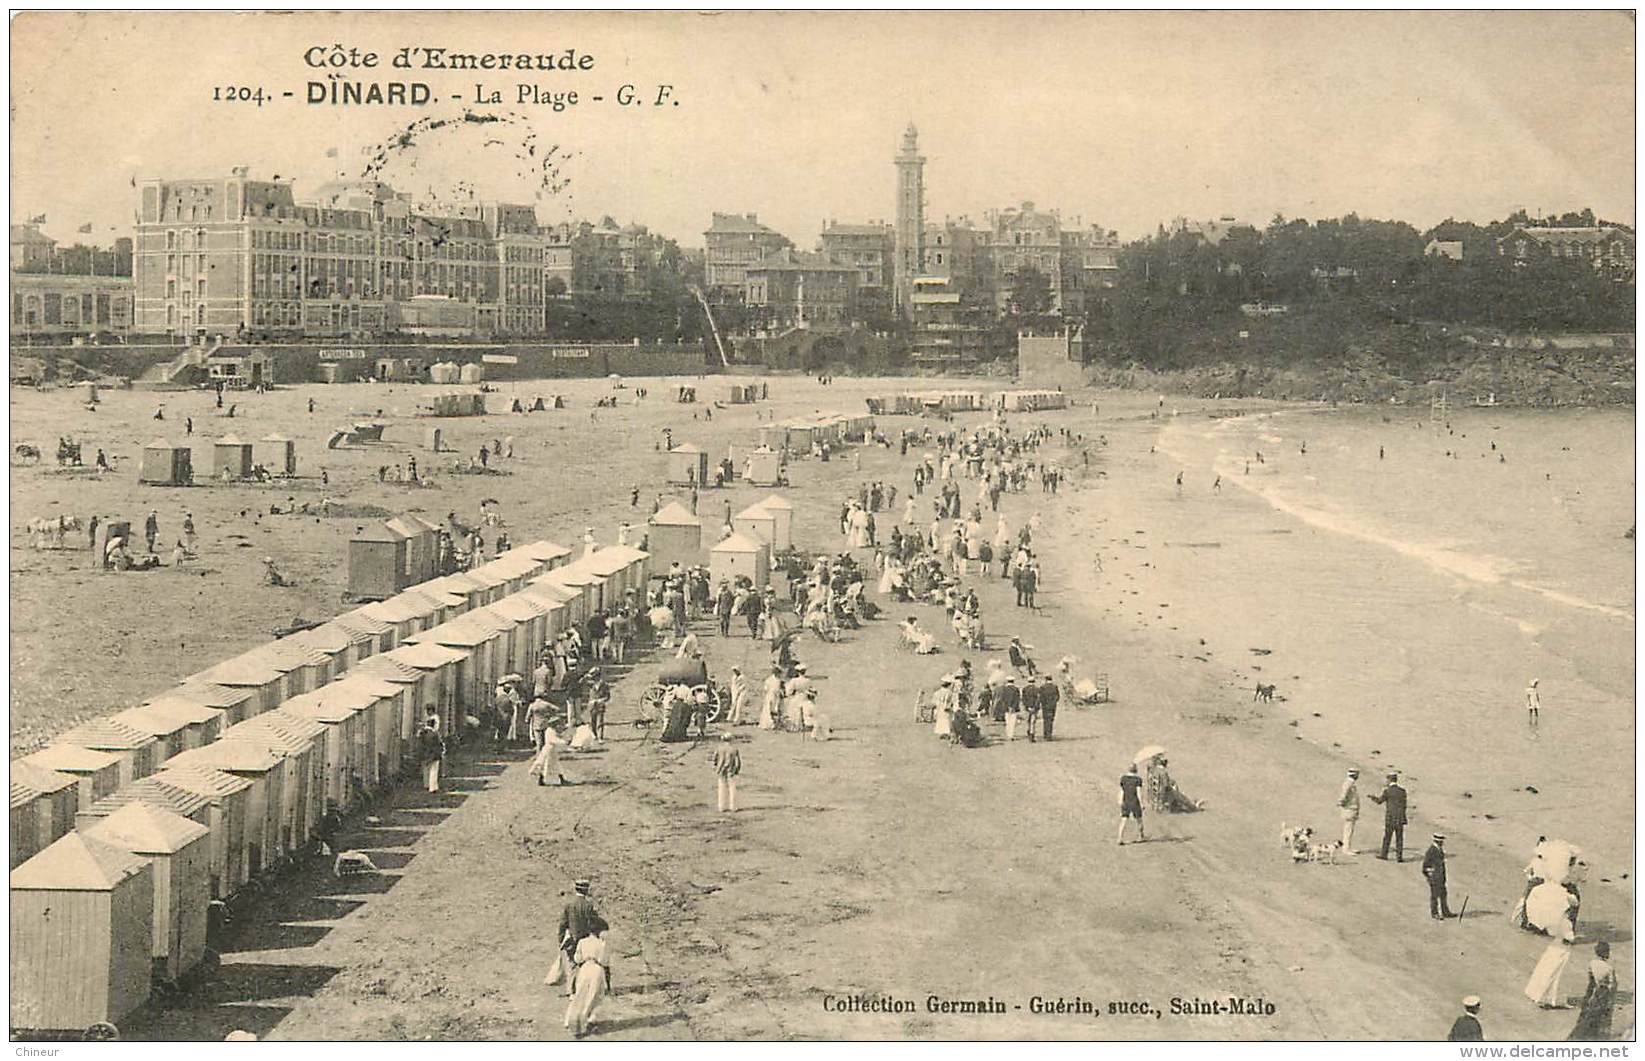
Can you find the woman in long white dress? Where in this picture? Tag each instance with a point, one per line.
(858, 536)
(942, 723)
(589, 984)
(1543, 987)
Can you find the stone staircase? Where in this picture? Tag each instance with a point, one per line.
(180, 370)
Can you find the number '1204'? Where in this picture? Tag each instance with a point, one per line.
(238, 94)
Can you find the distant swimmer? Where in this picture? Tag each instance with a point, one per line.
(1216, 487)
(1179, 482)
(1380, 453)
(1493, 445)
(1533, 704)
(1304, 448)
(1259, 457)
(1502, 458)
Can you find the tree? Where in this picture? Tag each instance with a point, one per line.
(1030, 292)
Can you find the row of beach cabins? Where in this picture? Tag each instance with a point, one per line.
(915, 403)
(126, 829)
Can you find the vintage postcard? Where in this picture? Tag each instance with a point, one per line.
(711, 526)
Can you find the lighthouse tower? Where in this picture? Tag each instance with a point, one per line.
(910, 256)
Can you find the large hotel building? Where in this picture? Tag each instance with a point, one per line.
(238, 256)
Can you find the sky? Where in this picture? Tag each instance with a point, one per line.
(1122, 119)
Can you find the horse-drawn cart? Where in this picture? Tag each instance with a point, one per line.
(693, 674)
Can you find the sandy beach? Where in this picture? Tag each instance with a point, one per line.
(885, 865)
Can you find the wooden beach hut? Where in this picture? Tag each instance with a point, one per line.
(550, 553)
(236, 703)
(300, 745)
(377, 563)
(740, 556)
(137, 751)
(53, 800)
(231, 458)
(757, 523)
(674, 535)
(440, 663)
(762, 467)
(155, 791)
(170, 730)
(345, 644)
(381, 635)
(228, 817)
(97, 773)
(422, 545)
(201, 723)
(687, 464)
(530, 617)
(81, 937)
(782, 512)
(251, 671)
(265, 799)
(575, 598)
(179, 854)
(166, 464)
(414, 686)
(479, 644)
(278, 454)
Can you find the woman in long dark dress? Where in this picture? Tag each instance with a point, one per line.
(1593, 1024)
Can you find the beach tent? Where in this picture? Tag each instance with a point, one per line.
(377, 563)
(228, 818)
(265, 800)
(81, 941)
(166, 464)
(136, 750)
(179, 853)
(236, 703)
(740, 555)
(278, 454)
(232, 458)
(782, 512)
(422, 546)
(52, 802)
(757, 523)
(762, 467)
(687, 464)
(97, 773)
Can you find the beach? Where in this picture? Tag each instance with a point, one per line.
(886, 867)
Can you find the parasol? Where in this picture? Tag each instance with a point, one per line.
(1152, 751)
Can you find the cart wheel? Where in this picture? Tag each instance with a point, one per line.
(652, 698)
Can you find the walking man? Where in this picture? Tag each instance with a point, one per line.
(151, 530)
(728, 763)
(578, 919)
(1030, 701)
(1533, 704)
(1393, 817)
(1008, 701)
(1433, 867)
(1049, 695)
(1348, 803)
(1131, 803)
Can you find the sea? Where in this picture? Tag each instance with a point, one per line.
(1402, 576)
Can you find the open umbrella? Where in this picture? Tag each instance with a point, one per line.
(1152, 751)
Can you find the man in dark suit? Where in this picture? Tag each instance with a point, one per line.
(1466, 1028)
(578, 919)
(1433, 867)
(1392, 799)
(1008, 701)
(1049, 695)
(1030, 701)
